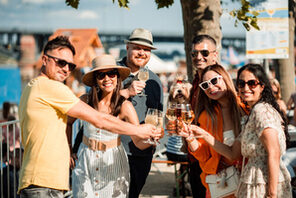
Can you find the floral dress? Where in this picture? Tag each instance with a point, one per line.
(100, 173)
(254, 179)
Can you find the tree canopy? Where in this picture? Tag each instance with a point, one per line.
(244, 15)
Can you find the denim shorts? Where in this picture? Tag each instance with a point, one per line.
(33, 191)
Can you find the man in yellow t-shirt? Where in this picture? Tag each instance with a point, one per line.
(43, 110)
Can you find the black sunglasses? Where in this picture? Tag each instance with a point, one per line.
(62, 63)
(206, 84)
(251, 83)
(204, 53)
(111, 74)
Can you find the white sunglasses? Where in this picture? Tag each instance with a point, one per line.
(213, 81)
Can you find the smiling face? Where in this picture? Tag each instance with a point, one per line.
(200, 60)
(51, 69)
(250, 94)
(108, 83)
(216, 89)
(137, 56)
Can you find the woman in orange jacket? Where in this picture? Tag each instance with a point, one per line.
(218, 111)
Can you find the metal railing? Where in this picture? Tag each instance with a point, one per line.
(10, 158)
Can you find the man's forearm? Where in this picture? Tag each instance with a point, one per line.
(113, 124)
(101, 120)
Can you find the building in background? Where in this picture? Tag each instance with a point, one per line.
(86, 42)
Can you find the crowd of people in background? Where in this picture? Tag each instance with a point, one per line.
(234, 121)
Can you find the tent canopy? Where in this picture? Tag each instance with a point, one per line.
(157, 65)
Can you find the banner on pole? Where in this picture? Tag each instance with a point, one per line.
(272, 40)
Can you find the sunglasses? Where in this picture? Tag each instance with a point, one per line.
(204, 53)
(206, 84)
(62, 63)
(251, 83)
(111, 74)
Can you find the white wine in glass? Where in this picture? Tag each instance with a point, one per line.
(151, 118)
(160, 119)
(143, 75)
(171, 115)
(188, 117)
(188, 114)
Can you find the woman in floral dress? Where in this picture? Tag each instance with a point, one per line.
(262, 140)
(102, 168)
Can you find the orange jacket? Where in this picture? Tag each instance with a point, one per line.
(208, 158)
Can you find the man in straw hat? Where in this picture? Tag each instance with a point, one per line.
(44, 106)
(139, 46)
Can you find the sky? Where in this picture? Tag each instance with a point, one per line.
(106, 16)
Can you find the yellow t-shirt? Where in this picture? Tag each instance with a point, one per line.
(42, 112)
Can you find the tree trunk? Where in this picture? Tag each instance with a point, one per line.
(286, 66)
(200, 17)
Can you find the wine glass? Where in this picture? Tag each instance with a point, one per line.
(188, 115)
(160, 119)
(159, 124)
(171, 115)
(179, 109)
(151, 118)
(143, 75)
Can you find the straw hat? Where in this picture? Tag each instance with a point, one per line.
(141, 36)
(104, 62)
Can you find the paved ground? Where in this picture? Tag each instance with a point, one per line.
(160, 182)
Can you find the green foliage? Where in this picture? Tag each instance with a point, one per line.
(122, 3)
(72, 3)
(246, 16)
(164, 3)
(75, 3)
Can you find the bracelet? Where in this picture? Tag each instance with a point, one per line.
(190, 139)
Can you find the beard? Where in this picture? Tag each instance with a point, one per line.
(139, 61)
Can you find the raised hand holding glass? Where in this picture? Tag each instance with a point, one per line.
(151, 118)
(143, 75)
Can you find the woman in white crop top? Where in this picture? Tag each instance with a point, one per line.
(102, 168)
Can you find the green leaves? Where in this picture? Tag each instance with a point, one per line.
(122, 3)
(244, 15)
(164, 3)
(75, 3)
(247, 17)
(72, 3)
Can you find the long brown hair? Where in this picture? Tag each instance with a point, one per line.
(206, 104)
(267, 93)
(96, 93)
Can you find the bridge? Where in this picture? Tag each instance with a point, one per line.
(10, 40)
